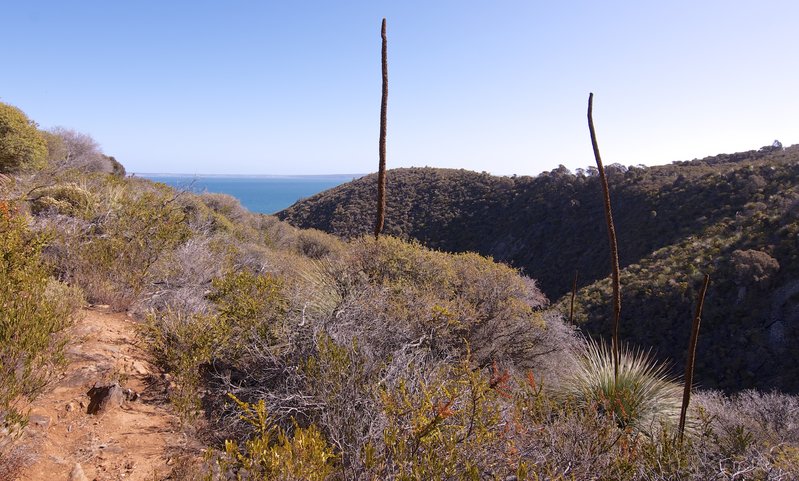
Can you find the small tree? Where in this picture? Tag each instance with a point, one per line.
(22, 146)
(78, 151)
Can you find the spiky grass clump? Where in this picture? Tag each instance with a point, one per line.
(644, 398)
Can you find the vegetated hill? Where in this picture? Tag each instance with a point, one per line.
(289, 354)
(735, 216)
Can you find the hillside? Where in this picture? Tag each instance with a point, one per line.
(151, 333)
(674, 223)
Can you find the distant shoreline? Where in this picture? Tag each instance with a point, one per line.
(251, 176)
(266, 194)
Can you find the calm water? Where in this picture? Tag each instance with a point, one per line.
(257, 193)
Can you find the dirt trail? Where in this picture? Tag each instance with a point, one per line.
(135, 438)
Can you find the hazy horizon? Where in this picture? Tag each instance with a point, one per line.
(363, 174)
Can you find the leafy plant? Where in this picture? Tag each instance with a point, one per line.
(22, 146)
(275, 454)
(446, 427)
(183, 343)
(643, 398)
(34, 311)
(65, 199)
(113, 258)
(250, 305)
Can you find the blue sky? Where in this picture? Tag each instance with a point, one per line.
(293, 87)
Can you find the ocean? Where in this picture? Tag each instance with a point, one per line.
(264, 194)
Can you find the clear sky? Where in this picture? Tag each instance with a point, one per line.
(293, 87)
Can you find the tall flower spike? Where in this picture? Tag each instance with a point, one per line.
(689, 363)
(614, 249)
(381, 173)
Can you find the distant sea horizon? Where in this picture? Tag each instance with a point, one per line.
(263, 193)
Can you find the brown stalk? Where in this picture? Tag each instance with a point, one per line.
(574, 294)
(381, 173)
(690, 362)
(614, 249)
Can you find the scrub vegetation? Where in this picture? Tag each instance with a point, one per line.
(296, 355)
(732, 216)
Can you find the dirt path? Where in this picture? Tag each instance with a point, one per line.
(136, 437)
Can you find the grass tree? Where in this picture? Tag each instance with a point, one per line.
(381, 174)
(690, 362)
(639, 393)
(614, 249)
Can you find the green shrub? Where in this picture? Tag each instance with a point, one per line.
(22, 146)
(449, 426)
(182, 343)
(273, 453)
(446, 301)
(316, 244)
(137, 226)
(224, 204)
(65, 199)
(35, 310)
(251, 306)
(247, 312)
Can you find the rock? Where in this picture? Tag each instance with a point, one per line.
(77, 473)
(40, 419)
(140, 368)
(131, 395)
(104, 397)
(83, 377)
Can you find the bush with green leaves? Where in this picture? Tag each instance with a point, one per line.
(182, 343)
(35, 310)
(113, 255)
(448, 426)
(247, 312)
(273, 453)
(22, 146)
(67, 199)
(226, 205)
(252, 306)
(403, 294)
